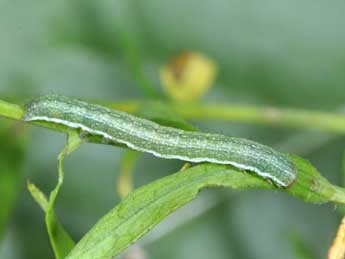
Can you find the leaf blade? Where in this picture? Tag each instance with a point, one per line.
(147, 206)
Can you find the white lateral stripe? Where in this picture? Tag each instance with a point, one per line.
(179, 157)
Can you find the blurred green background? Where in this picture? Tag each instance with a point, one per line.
(270, 52)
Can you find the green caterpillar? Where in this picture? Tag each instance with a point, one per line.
(166, 142)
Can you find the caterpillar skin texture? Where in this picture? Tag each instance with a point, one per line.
(166, 142)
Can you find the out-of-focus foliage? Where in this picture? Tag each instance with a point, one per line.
(13, 139)
(298, 245)
(272, 52)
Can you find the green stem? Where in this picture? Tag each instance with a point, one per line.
(338, 196)
(11, 111)
(296, 118)
(325, 121)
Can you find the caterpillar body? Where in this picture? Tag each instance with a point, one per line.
(166, 142)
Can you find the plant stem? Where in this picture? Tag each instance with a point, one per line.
(331, 122)
(339, 195)
(325, 121)
(10, 110)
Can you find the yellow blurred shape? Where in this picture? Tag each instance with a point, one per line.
(125, 178)
(337, 250)
(188, 76)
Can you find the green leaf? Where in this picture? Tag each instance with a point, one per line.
(147, 206)
(60, 240)
(38, 196)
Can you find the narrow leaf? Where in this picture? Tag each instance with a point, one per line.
(38, 196)
(147, 206)
(60, 240)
